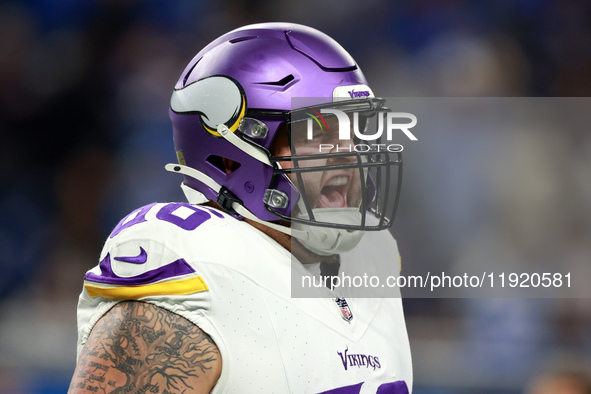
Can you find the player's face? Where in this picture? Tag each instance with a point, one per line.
(335, 188)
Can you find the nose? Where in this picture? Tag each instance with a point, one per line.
(344, 151)
(342, 157)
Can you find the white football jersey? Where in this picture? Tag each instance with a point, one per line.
(234, 282)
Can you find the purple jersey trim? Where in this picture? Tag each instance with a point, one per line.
(176, 268)
(398, 387)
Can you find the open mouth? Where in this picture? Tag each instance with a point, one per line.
(334, 192)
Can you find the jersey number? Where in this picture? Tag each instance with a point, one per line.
(167, 213)
(157, 281)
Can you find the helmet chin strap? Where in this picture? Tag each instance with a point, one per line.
(196, 197)
(324, 241)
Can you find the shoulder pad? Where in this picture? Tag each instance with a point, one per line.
(143, 255)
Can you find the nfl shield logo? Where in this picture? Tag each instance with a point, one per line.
(345, 310)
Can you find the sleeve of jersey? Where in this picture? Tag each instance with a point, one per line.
(146, 260)
(136, 270)
(154, 255)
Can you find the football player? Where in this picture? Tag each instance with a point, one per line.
(200, 297)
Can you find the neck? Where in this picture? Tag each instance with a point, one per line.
(288, 242)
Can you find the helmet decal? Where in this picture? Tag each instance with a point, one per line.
(351, 92)
(217, 99)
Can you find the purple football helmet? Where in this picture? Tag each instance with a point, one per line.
(238, 95)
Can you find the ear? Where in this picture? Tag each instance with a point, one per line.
(230, 165)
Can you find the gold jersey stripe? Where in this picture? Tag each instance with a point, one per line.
(191, 285)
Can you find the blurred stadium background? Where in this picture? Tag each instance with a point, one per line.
(84, 90)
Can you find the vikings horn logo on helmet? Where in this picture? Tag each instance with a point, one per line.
(217, 99)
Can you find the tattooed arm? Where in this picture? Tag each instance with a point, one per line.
(140, 348)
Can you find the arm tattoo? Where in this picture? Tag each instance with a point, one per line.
(140, 348)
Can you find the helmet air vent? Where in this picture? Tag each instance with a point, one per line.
(218, 163)
(282, 82)
(240, 39)
(189, 72)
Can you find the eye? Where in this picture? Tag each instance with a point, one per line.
(331, 134)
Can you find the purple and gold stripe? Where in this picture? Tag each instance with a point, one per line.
(191, 285)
